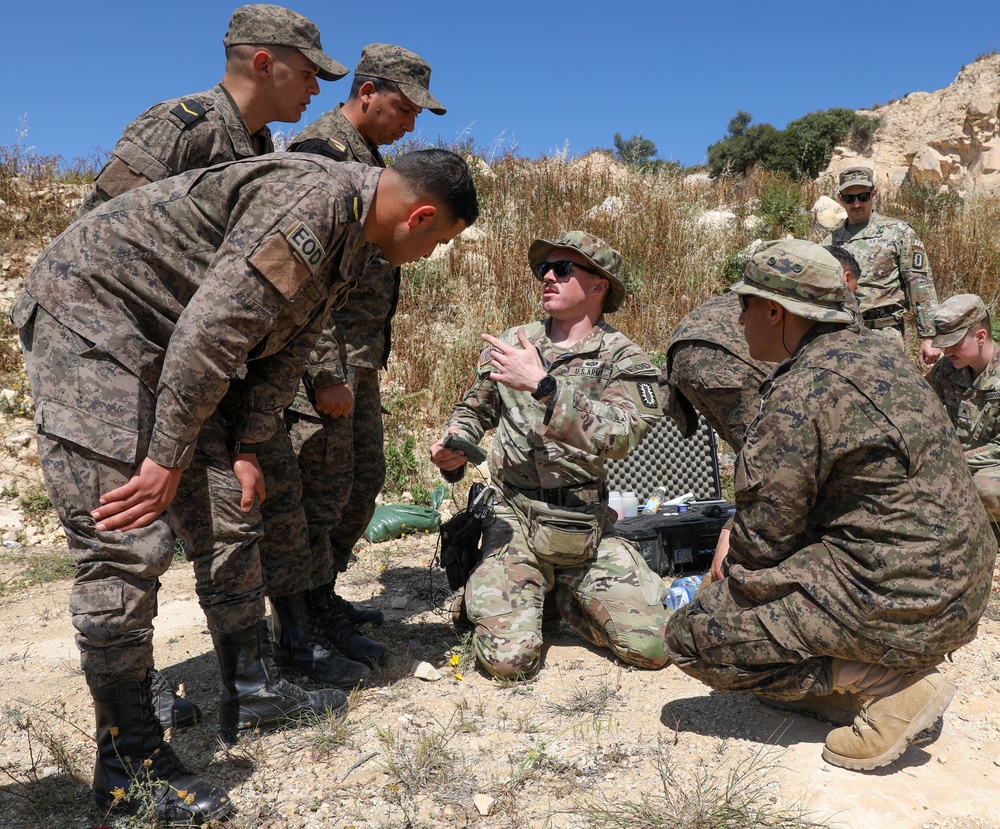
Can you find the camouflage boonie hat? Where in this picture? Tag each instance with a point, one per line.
(262, 24)
(597, 252)
(802, 277)
(410, 72)
(955, 316)
(856, 177)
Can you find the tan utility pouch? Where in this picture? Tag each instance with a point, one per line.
(563, 536)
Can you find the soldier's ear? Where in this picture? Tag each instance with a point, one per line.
(601, 286)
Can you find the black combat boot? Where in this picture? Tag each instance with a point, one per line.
(172, 711)
(357, 616)
(301, 647)
(255, 697)
(133, 757)
(337, 629)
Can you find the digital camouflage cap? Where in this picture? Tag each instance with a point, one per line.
(802, 277)
(955, 316)
(410, 72)
(262, 24)
(856, 177)
(604, 258)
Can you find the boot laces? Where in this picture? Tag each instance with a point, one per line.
(863, 721)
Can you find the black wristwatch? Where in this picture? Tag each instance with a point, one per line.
(238, 447)
(546, 386)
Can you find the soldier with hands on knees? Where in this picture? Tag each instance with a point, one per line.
(335, 422)
(163, 333)
(859, 555)
(563, 394)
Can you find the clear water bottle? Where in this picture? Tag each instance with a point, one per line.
(630, 504)
(653, 504)
(682, 590)
(616, 503)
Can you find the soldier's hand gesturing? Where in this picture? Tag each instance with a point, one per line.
(517, 367)
(138, 503)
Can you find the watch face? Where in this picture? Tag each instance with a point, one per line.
(546, 386)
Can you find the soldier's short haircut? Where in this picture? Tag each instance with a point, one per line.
(239, 55)
(846, 259)
(442, 177)
(983, 324)
(382, 86)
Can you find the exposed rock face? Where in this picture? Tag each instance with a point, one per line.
(949, 139)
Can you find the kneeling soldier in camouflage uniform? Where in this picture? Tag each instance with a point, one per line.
(967, 379)
(563, 394)
(164, 332)
(859, 553)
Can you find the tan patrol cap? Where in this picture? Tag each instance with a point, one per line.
(955, 316)
(262, 24)
(410, 72)
(856, 177)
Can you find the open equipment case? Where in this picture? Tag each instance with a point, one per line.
(672, 540)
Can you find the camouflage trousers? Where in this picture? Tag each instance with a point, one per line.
(94, 421)
(612, 599)
(987, 481)
(783, 648)
(323, 476)
(698, 370)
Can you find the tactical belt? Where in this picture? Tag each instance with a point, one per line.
(580, 495)
(883, 317)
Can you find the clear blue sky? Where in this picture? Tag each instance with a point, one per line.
(537, 75)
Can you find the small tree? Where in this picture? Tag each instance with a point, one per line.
(637, 151)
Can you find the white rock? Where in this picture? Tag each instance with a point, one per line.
(828, 214)
(717, 220)
(611, 206)
(483, 803)
(398, 602)
(426, 672)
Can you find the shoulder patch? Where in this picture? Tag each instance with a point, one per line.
(307, 248)
(189, 112)
(646, 395)
(330, 147)
(485, 360)
(355, 207)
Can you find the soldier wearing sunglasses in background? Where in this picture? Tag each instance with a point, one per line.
(895, 272)
(563, 394)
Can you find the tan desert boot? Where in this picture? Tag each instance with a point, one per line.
(836, 709)
(886, 724)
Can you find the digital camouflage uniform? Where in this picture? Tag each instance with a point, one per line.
(709, 368)
(342, 458)
(162, 325)
(175, 136)
(857, 532)
(895, 274)
(604, 404)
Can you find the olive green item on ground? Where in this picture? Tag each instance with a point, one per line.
(396, 520)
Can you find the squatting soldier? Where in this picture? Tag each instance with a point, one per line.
(164, 332)
(273, 57)
(895, 271)
(967, 379)
(335, 423)
(860, 556)
(563, 394)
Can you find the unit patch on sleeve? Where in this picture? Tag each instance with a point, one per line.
(645, 395)
(306, 246)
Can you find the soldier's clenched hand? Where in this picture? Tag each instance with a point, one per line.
(138, 503)
(335, 401)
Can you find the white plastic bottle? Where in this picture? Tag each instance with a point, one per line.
(630, 504)
(616, 503)
(653, 504)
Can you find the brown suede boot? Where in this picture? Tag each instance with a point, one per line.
(886, 724)
(836, 709)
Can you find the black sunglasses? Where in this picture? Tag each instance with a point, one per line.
(861, 197)
(562, 268)
(743, 302)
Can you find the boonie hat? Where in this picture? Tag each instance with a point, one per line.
(598, 253)
(410, 72)
(856, 177)
(955, 316)
(266, 25)
(802, 277)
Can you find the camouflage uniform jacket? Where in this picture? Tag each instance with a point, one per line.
(973, 404)
(852, 487)
(212, 281)
(174, 137)
(605, 402)
(895, 273)
(359, 334)
(715, 322)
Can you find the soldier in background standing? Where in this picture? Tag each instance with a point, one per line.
(335, 422)
(895, 271)
(563, 394)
